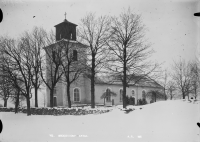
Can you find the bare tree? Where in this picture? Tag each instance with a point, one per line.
(19, 58)
(6, 89)
(165, 84)
(195, 78)
(155, 94)
(182, 77)
(35, 41)
(164, 78)
(9, 69)
(95, 32)
(171, 87)
(129, 50)
(5, 83)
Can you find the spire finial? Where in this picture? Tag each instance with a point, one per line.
(65, 15)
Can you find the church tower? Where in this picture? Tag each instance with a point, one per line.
(66, 30)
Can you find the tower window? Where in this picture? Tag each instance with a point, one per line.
(75, 55)
(71, 36)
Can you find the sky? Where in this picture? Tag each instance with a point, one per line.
(171, 27)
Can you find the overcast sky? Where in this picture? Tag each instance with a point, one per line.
(172, 28)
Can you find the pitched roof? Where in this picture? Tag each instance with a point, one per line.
(70, 41)
(142, 81)
(65, 22)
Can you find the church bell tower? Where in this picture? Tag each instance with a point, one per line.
(66, 30)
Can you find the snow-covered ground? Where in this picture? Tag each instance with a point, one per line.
(166, 121)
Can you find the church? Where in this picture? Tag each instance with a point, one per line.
(80, 89)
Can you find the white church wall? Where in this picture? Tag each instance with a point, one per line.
(42, 101)
(101, 88)
(80, 84)
(59, 94)
(87, 90)
(64, 96)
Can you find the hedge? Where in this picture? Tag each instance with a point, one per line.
(56, 111)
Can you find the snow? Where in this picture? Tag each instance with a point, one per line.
(164, 121)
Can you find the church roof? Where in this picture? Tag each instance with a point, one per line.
(134, 81)
(65, 21)
(65, 40)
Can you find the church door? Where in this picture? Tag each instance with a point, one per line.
(113, 102)
(133, 100)
(54, 101)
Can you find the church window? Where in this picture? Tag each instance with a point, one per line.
(121, 94)
(76, 95)
(108, 96)
(143, 94)
(75, 56)
(133, 93)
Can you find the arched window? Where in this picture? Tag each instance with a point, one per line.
(143, 94)
(76, 95)
(75, 57)
(121, 94)
(108, 96)
(71, 36)
(133, 93)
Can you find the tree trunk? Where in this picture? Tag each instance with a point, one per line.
(170, 93)
(183, 96)
(36, 97)
(165, 94)
(104, 101)
(92, 82)
(28, 106)
(51, 97)
(124, 80)
(68, 95)
(155, 97)
(195, 93)
(5, 102)
(17, 102)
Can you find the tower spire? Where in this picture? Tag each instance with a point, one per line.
(65, 15)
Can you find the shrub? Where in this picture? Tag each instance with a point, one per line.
(55, 111)
(142, 101)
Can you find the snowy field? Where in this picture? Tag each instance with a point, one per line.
(166, 121)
